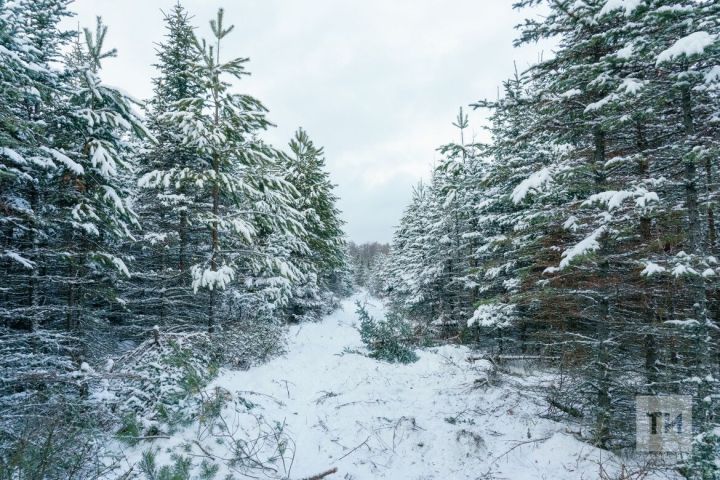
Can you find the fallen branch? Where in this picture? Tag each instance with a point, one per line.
(378, 401)
(325, 396)
(148, 437)
(322, 475)
(208, 454)
(518, 444)
(126, 475)
(351, 451)
(496, 358)
(573, 412)
(279, 403)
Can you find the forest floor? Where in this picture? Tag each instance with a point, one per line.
(324, 405)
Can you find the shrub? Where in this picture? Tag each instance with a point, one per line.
(388, 339)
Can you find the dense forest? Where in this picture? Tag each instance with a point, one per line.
(149, 245)
(585, 232)
(143, 244)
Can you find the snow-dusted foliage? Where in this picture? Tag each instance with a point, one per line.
(325, 275)
(388, 339)
(145, 245)
(585, 230)
(494, 315)
(140, 251)
(246, 204)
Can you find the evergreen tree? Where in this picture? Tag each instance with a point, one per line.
(242, 200)
(588, 222)
(92, 212)
(323, 265)
(171, 234)
(31, 92)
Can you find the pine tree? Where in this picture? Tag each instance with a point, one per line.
(243, 201)
(90, 194)
(64, 143)
(324, 263)
(515, 203)
(410, 263)
(171, 234)
(31, 91)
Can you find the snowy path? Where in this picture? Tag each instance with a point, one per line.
(370, 419)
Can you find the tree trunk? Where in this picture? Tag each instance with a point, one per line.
(215, 241)
(603, 412)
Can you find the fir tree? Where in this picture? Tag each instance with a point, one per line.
(171, 235)
(244, 203)
(324, 263)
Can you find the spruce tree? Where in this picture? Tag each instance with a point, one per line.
(170, 233)
(242, 199)
(323, 265)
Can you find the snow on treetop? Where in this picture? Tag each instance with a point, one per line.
(535, 182)
(587, 245)
(651, 269)
(493, 315)
(628, 6)
(693, 44)
(211, 279)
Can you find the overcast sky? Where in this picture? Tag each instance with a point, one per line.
(376, 82)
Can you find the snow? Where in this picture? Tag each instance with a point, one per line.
(102, 160)
(19, 259)
(683, 323)
(693, 44)
(441, 417)
(89, 228)
(611, 198)
(245, 229)
(13, 155)
(644, 198)
(571, 93)
(600, 103)
(628, 6)
(211, 279)
(111, 194)
(651, 269)
(587, 245)
(117, 262)
(492, 315)
(713, 75)
(631, 85)
(682, 269)
(614, 199)
(71, 164)
(625, 52)
(571, 223)
(533, 183)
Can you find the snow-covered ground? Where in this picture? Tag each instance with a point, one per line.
(328, 406)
